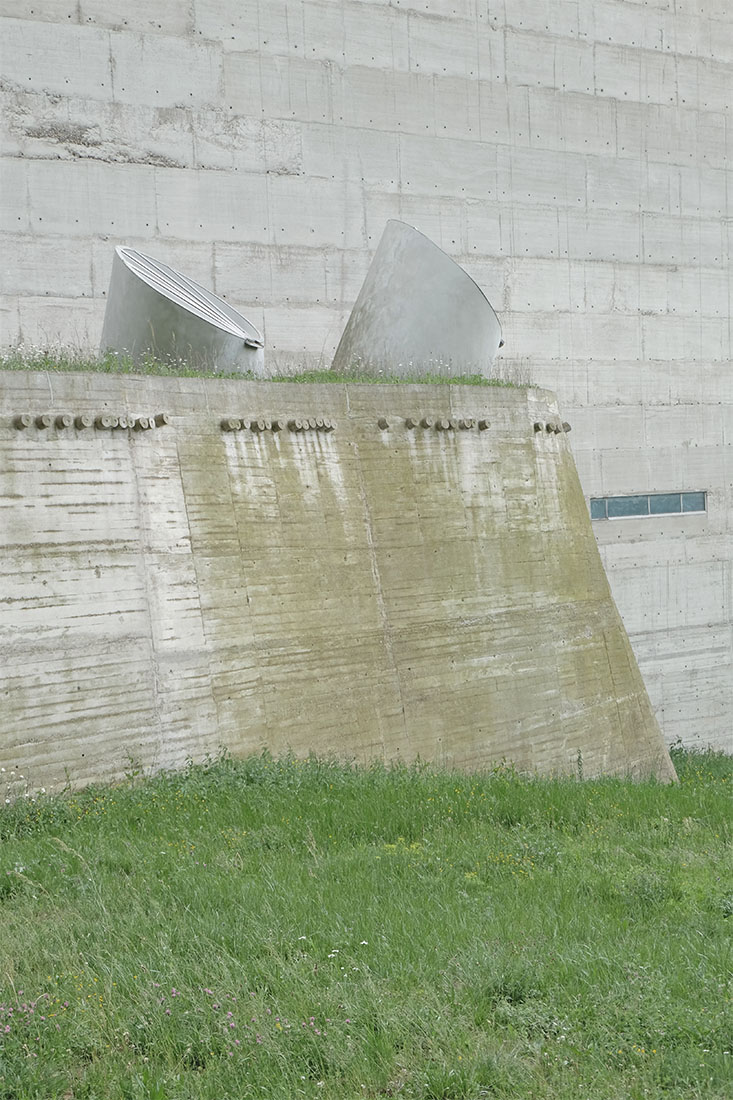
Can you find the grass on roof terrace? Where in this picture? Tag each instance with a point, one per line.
(283, 928)
(63, 361)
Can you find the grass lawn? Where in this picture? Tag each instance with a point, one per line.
(275, 928)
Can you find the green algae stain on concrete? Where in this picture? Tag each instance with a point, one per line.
(384, 589)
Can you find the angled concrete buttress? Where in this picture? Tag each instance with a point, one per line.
(154, 310)
(389, 572)
(418, 313)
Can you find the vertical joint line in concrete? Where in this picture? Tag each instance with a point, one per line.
(374, 564)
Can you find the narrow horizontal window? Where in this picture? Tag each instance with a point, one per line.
(647, 504)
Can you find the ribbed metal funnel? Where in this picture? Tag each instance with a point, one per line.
(154, 310)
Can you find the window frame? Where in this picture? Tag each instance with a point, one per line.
(648, 514)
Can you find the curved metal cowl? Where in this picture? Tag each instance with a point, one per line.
(154, 310)
(418, 313)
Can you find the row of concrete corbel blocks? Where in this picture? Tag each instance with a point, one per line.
(439, 423)
(552, 426)
(296, 424)
(105, 421)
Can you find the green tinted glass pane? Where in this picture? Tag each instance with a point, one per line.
(628, 506)
(693, 502)
(598, 508)
(661, 504)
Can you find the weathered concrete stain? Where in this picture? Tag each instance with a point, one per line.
(373, 592)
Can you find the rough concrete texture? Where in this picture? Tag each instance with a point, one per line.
(376, 592)
(575, 158)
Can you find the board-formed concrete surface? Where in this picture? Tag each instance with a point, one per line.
(575, 158)
(358, 586)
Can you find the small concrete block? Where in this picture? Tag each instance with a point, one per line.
(64, 421)
(566, 427)
(410, 422)
(84, 421)
(383, 423)
(23, 421)
(278, 425)
(44, 421)
(426, 422)
(161, 420)
(442, 425)
(466, 425)
(538, 425)
(258, 425)
(231, 424)
(484, 425)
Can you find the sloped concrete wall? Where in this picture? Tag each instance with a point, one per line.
(372, 591)
(574, 157)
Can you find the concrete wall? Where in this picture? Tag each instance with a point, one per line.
(574, 157)
(375, 592)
